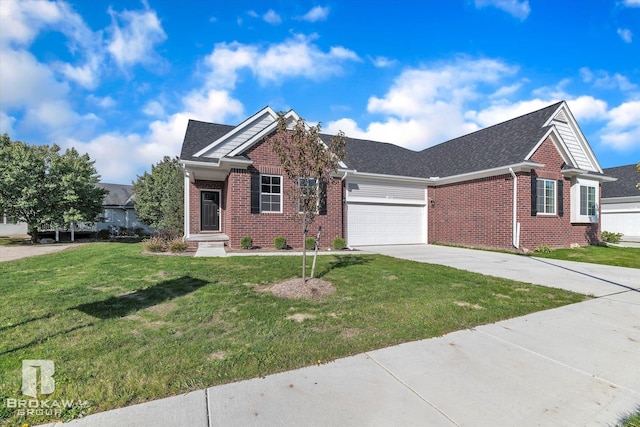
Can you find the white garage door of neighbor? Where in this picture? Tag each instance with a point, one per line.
(627, 223)
(378, 224)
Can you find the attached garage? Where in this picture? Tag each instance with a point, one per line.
(620, 206)
(383, 213)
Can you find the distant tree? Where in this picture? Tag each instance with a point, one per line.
(38, 185)
(160, 196)
(638, 170)
(309, 162)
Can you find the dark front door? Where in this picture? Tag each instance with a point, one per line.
(210, 210)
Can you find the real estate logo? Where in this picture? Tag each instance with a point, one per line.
(30, 377)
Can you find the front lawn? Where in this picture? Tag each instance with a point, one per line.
(608, 255)
(123, 327)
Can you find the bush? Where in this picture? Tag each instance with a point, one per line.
(246, 242)
(154, 244)
(104, 234)
(543, 249)
(338, 244)
(310, 243)
(177, 245)
(138, 231)
(609, 237)
(280, 243)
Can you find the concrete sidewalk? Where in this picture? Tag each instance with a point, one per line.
(576, 365)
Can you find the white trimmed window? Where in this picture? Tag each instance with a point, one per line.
(546, 196)
(271, 193)
(584, 200)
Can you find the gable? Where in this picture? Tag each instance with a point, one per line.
(572, 140)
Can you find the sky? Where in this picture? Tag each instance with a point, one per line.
(119, 80)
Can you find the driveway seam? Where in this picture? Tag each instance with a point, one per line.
(414, 391)
(573, 368)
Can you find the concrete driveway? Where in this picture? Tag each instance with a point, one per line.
(589, 279)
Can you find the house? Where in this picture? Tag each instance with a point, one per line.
(118, 214)
(533, 180)
(119, 211)
(621, 202)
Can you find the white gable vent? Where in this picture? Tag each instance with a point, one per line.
(561, 117)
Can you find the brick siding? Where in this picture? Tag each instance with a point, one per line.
(263, 228)
(480, 212)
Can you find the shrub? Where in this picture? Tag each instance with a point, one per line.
(609, 237)
(246, 242)
(153, 244)
(310, 243)
(177, 245)
(138, 231)
(280, 243)
(543, 249)
(338, 243)
(104, 234)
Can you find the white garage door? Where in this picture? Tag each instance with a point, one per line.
(627, 223)
(385, 224)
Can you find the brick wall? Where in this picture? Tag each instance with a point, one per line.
(238, 221)
(480, 212)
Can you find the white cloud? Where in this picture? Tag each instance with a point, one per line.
(318, 13)
(625, 34)
(585, 108)
(383, 62)
(22, 21)
(6, 124)
(154, 109)
(623, 130)
(271, 17)
(631, 3)
(102, 102)
(603, 80)
(134, 36)
(515, 8)
(294, 57)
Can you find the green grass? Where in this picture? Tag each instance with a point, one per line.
(124, 328)
(633, 420)
(608, 255)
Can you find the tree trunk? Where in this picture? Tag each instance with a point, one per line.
(34, 234)
(304, 256)
(315, 254)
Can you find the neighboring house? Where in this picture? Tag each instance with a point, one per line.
(119, 211)
(621, 202)
(529, 181)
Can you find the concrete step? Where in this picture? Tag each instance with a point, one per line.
(207, 245)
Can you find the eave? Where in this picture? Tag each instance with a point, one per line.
(212, 171)
(526, 166)
(581, 173)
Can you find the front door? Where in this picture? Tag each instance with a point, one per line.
(210, 210)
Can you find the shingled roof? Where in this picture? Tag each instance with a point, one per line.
(118, 194)
(199, 135)
(503, 144)
(625, 186)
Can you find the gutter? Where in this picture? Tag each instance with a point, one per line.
(516, 224)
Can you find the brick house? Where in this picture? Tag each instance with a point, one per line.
(529, 181)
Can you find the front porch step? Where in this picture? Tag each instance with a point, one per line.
(213, 237)
(207, 245)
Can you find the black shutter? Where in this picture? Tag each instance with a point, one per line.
(322, 208)
(534, 195)
(560, 198)
(255, 192)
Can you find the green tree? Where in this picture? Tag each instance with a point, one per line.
(309, 162)
(160, 196)
(38, 185)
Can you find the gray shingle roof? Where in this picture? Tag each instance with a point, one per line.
(503, 144)
(625, 186)
(118, 194)
(199, 135)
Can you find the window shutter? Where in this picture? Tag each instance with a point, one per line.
(322, 208)
(560, 198)
(255, 193)
(534, 195)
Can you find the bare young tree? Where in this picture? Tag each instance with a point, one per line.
(309, 163)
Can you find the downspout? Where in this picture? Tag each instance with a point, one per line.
(343, 207)
(516, 224)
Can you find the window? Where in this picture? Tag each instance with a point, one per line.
(308, 189)
(546, 196)
(587, 200)
(270, 193)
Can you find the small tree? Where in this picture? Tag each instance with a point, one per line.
(38, 185)
(309, 163)
(160, 196)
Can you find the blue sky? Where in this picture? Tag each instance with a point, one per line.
(120, 79)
